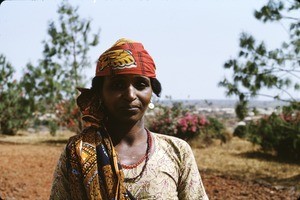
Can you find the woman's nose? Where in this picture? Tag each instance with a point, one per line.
(130, 93)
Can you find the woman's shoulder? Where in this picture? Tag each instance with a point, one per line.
(86, 135)
(171, 142)
(168, 138)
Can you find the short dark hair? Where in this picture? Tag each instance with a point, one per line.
(97, 85)
(156, 86)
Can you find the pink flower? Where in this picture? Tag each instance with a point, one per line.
(194, 128)
(202, 121)
(182, 122)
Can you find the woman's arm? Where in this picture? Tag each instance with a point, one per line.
(190, 184)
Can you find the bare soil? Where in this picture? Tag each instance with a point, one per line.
(26, 173)
(26, 170)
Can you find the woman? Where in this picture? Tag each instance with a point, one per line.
(116, 157)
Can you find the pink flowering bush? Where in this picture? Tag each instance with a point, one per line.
(181, 122)
(69, 116)
(190, 125)
(163, 122)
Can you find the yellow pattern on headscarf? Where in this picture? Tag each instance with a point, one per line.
(117, 59)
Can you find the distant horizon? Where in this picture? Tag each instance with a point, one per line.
(221, 103)
(187, 99)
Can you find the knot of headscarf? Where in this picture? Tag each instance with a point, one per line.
(90, 107)
(126, 57)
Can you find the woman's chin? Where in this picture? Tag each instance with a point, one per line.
(131, 120)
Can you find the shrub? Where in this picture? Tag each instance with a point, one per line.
(69, 116)
(15, 108)
(240, 131)
(163, 121)
(182, 122)
(277, 132)
(190, 125)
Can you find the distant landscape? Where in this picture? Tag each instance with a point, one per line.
(221, 103)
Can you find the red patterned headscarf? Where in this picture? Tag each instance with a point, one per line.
(126, 57)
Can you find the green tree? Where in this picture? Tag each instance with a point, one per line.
(258, 67)
(241, 109)
(15, 108)
(53, 82)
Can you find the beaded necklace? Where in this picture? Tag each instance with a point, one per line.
(145, 157)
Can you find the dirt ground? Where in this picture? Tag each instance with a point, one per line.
(26, 173)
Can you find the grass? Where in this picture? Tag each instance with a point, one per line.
(37, 138)
(239, 158)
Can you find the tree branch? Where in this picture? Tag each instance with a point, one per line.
(292, 18)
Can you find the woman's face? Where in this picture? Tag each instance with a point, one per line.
(126, 97)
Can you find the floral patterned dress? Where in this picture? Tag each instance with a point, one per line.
(171, 173)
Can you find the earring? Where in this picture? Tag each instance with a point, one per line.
(151, 105)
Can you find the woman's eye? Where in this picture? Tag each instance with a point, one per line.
(140, 85)
(121, 84)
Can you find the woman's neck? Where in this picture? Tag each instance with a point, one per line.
(126, 132)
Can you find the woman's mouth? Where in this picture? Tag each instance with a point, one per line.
(131, 109)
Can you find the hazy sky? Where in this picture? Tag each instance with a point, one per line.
(189, 40)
